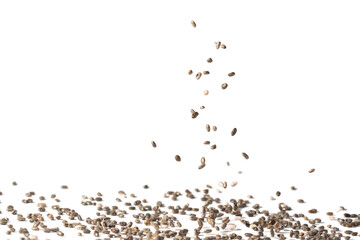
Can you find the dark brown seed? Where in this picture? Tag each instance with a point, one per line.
(223, 46)
(213, 147)
(278, 193)
(209, 60)
(233, 132)
(312, 170)
(217, 44)
(146, 186)
(193, 23)
(245, 155)
(206, 72)
(214, 128)
(293, 188)
(329, 213)
(207, 127)
(64, 187)
(300, 201)
(190, 72)
(201, 166)
(312, 210)
(231, 74)
(207, 142)
(177, 158)
(198, 75)
(14, 184)
(153, 144)
(224, 85)
(194, 114)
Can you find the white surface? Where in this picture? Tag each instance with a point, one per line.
(86, 85)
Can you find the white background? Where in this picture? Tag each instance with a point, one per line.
(85, 86)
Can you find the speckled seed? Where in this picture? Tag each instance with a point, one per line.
(198, 75)
(190, 72)
(245, 155)
(209, 60)
(153, 144)
(217, 44)
(177, 158)
(233, 132)
(193, 23)
(312, 170)
(207, 126)
(224, 85)
(206, 92)
(231, 74)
